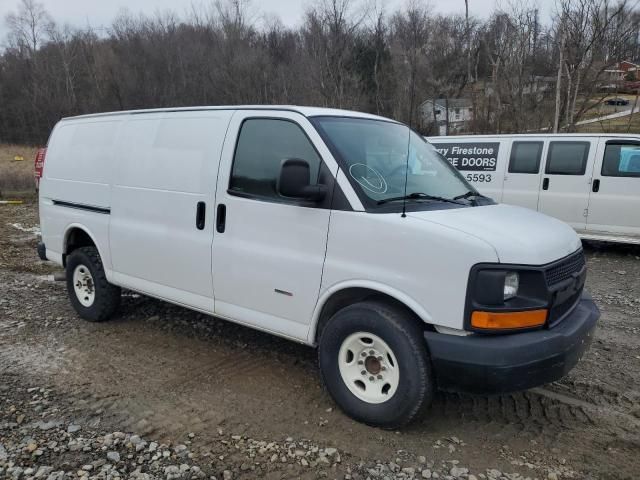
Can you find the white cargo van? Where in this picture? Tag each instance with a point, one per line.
(592, 182)
(332, 228)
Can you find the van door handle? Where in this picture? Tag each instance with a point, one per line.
(545, 184)
(221, 218)
(596, 185)
(201, 211)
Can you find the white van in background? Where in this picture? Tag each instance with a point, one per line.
(307, 223)
(592, 182)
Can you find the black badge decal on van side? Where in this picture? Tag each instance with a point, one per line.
(470, 156)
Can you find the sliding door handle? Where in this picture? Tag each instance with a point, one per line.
(596, 185)
(221, 218)
(201, 212)
(545, 183)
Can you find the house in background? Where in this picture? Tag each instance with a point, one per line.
(450, 115)
(539, 85)
(620, 72)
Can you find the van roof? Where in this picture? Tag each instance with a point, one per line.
(306, 111)
(529, 135)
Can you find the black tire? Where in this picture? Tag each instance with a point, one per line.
(107, 296)
(403, 334)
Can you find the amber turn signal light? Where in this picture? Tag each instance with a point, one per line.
(508, 320)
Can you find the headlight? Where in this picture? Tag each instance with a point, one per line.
(494, 286)
(506, 297)
(511, 283)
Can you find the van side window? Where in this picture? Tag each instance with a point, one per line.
(567, 158)
(262, 146)
(525, 157)
(621, 160)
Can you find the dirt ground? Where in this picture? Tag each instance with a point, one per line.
(172, 375)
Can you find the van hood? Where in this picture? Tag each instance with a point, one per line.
(517, 234)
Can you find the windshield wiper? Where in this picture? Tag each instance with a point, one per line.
(469, 194)
(420, 196)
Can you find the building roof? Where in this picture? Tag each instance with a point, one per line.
(617, 67)
(451, 102)
(543, 78)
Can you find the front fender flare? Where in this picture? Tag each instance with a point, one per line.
(398, 295)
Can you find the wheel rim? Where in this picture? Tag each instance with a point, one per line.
(369, 367)
(83, 286)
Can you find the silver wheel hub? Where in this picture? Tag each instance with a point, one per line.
(368, 367)
(83, 286)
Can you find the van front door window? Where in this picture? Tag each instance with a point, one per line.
(263, 144)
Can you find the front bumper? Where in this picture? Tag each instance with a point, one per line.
(509, 363)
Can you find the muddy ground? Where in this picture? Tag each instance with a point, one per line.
(177, 377)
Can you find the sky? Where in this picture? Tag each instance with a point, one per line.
(99, 13)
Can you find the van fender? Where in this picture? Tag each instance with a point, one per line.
(398, 295)
(87, 230)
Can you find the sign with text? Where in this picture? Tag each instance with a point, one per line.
(478, 156)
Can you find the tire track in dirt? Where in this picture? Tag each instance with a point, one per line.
(599, 395)
(532, 411)
(102, 377)
(539, 412)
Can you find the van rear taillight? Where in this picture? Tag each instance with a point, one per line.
(39, 165)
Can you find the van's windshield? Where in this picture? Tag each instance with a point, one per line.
(374, 156)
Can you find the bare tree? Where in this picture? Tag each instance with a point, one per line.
(410, 37)
(379, 34)
(29, 26)
(556, 117)
(586, 48)
(468, 40)
(345, 53)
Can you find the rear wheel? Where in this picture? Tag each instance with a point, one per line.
(91, 295)
(374, 363)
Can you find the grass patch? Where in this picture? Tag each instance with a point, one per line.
(615, 125)
(16, 177)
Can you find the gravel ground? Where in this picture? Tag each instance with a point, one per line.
(197, 397)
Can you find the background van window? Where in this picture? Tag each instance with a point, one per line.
(525, 157)
(621, 160)
(567, 158)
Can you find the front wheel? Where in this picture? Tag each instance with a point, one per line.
(91, 295)
(374, 363)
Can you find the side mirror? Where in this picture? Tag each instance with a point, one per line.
(294, 181)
